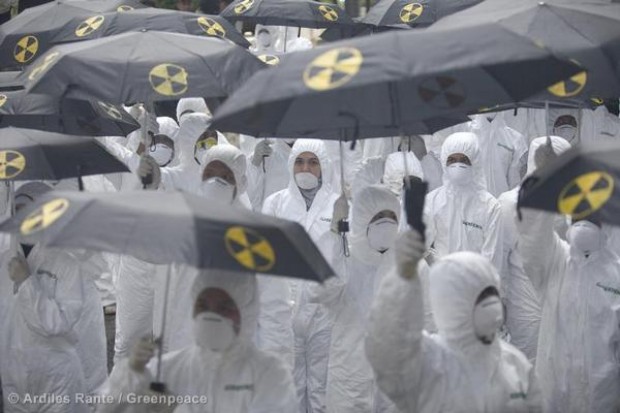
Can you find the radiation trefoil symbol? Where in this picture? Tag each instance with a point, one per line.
(25, 49)
(443, 92)
(269, 59)
(3, 99)
(571, 87)
(328, 13)
(12, 163)
(211, 27)
(333, 69)
(44, 216)
(111, 110)
(250, 249)
(168, 79)
(586, 194)
(89, 25)
(411, 12)
(244, 6)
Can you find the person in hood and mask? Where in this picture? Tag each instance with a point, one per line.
(521, 299)
(294, 308)
(222, 364)
(461, 215)
(187, 106)
(579, 285)
(466, 367)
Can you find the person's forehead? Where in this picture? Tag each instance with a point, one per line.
(213, 294)
(307, 155)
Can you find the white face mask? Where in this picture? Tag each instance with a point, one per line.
(162, 154)
(213, 332)
(306, 180)
(585, 237)
(217, 188)
(382, 234)
(459, 173)
(488, 318)
(567, 132)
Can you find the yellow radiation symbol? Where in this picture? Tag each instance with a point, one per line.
(333, 68)
(411, 12)
(3, 99)
(111, 110)
(586, 194)
(89, 25)
(597, 101)
(244, 6)
(269, 59)
(44, 216)
(570, 87)
(211, 27)
(250, 249)
(12, 163)
(47, 60)
(124, 7)
(168, 79)
(328, 13)
(25, 49)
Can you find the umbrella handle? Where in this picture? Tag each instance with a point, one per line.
(157, 385)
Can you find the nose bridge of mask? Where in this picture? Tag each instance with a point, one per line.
(218, 188)
(382, 234)
(459, 173)
(213, 331)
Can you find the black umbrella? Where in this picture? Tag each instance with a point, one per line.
(586, 32)
(107, 24)
(582, 182)
(26, 36)
(172, 227)
(27, 154)
(413, 13)
(70, 116)
(142, 67)
(295, 13)
(389, 83)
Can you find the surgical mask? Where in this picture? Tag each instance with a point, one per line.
(213, 332)
(306, 180)
(459, 173)
(585, 236)
(567, 132)
(382, 234)
(162, 154)
(488, 318)
(217, 188)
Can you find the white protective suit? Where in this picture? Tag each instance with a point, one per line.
(452, 371)
(395, 171)
(309, 325)
(579, 341)
(187, 106)
(463, 217)
(241, 379)
(270, 176)
(523, 310)
(350, 381)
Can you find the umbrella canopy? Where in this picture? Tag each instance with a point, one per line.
(142, 67)
(582, 182)
(70, 116)
(413, 13)
(95, 26)
(397, 81)
(295, 13)
(26, 36)
(27, 154)
(162, 228)
(586, 32)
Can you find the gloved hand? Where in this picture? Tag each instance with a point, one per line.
(409, 250)
(18, 269)
(544, 154)
(148, 166)
(341, 212)
(261, 150)
(141, 353)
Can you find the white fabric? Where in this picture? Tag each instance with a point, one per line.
(395, 170)
(234, 159)
(579, 337)
(452, 371)
(270, 176)
(240, 379)
(463, 217)
(187, 106)
(168, 127)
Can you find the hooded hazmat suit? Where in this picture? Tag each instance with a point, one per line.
(453, 371)
(238, 378)
(270, 176)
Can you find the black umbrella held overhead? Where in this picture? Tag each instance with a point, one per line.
(69, 116)
(27, 35)
(199, 232)
(413, 13)
(397, 82)
(145, 66)
(28, 154)
(294, 13)
(582, 182)
(108, 24)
